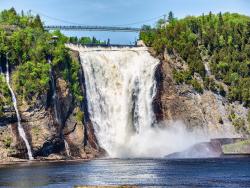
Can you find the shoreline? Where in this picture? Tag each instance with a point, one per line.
(41, 161)
(12, 163)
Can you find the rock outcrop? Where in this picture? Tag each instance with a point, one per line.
(208, 110)
(48, 136)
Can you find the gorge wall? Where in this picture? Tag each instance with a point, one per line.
(207, 110)
(83, 130)
(49, 137)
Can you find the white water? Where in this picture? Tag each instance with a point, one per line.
(54, 96)
(20, 127)
(207, 68)
(120, 88)
(67, 149)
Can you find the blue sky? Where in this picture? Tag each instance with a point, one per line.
(119, 12)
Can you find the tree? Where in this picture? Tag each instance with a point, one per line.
(220, 19)
(37, 22)
(226, 40)
(160, 23)
(170, 16)
(146, 27)
(210, 16)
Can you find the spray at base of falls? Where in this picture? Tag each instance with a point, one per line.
(120, 87)
(20, 127)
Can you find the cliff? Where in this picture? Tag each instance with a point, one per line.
(208, 110)
(204, 74)
(70, 137)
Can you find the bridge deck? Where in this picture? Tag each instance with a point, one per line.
(105, 45)
(92, 28)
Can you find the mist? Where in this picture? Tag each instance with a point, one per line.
(159, 141)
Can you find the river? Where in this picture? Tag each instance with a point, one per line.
(220, 172)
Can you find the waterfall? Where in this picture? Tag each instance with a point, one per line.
(54, 95)
(207, 68)
(120, 87)
(67, 149)
(20, 127)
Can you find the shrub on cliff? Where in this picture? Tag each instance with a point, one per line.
(5, 96)
(197, 86)
(32, 79)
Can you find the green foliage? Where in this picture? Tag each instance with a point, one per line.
(75, 83)
(10, 17)
(239, 124)
(248, 120)
(29, 47)
(182, 76)
(79, 115)
(148, 35)
(239, 147)
(36, 130)
(232, 116)
(225, 38)
(5, 96)
(241, 91)
(67, 67)
(7, 142)
(171, 16)
(85, 40)
(211, 84)
(197, 86)
(32, 79)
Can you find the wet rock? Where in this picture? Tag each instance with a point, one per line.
(200, 150)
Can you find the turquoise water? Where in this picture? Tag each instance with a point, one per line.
(223, 172)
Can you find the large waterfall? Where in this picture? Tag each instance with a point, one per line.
(20, 127)
(120, 87)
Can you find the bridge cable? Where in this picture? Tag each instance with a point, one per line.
(53, 18)
(141, 22)
(69, 22)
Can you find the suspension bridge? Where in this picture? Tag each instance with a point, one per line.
(92, 28)
(71, 26)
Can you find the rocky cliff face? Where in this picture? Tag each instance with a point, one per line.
(71, 136)
(208, 110)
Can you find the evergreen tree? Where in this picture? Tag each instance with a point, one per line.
(37, 22)
(170, 16)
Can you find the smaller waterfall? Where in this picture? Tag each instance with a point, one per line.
(20, 128)
(67, 148)
(54, 96)
(207, 68)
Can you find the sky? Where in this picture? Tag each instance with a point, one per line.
(119, 12)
